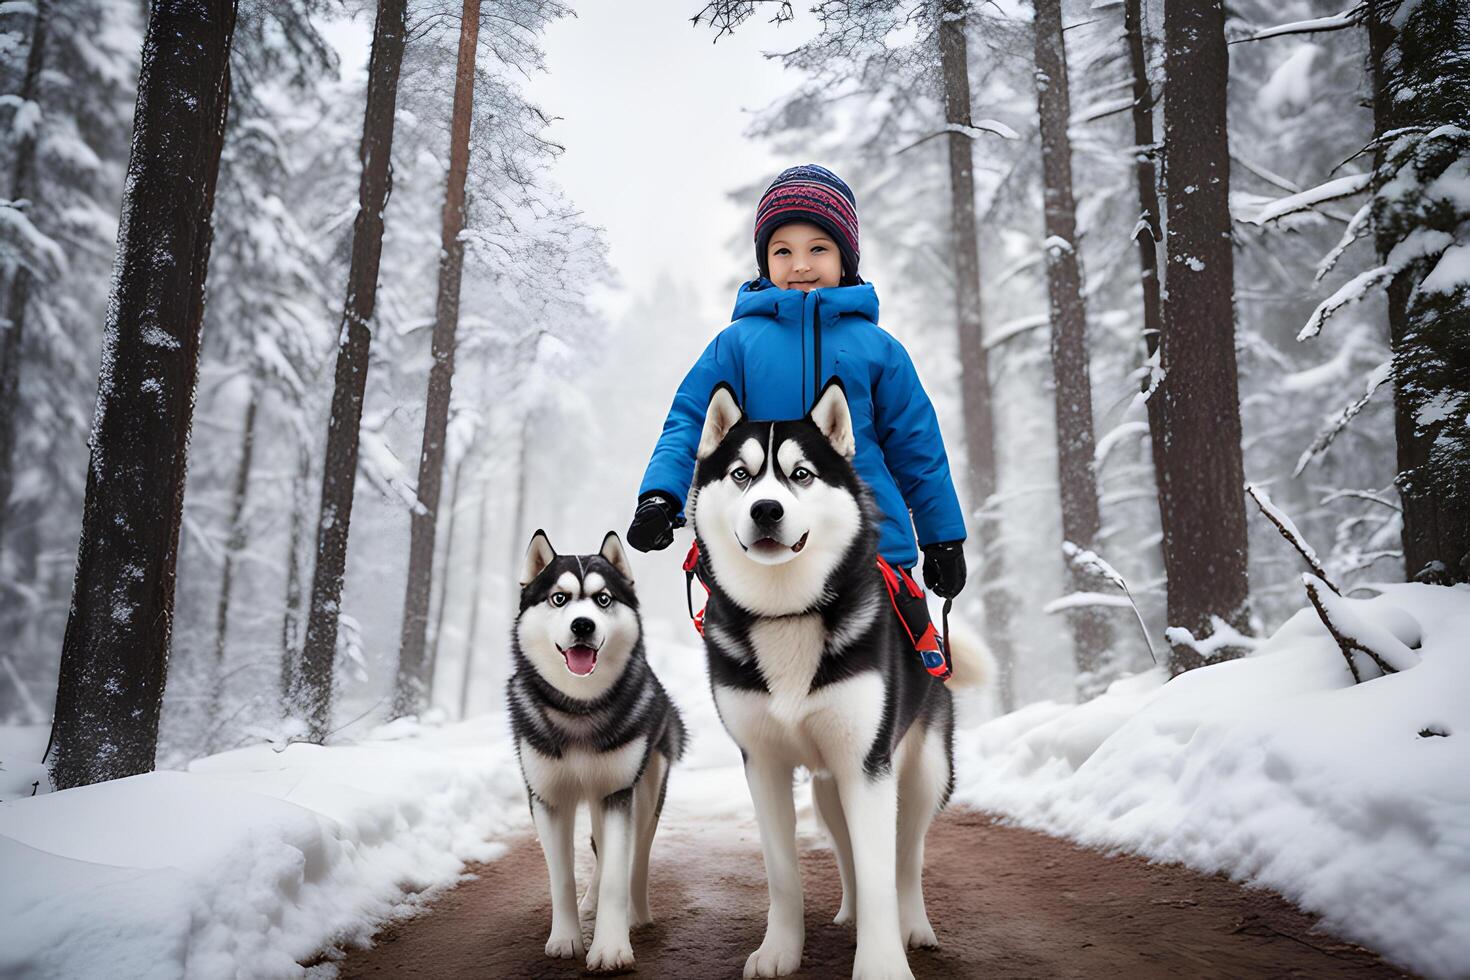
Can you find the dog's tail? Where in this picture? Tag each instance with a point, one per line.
(970, 659)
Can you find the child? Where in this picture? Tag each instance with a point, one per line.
(807, 318)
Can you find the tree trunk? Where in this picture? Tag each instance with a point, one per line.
(1091, 635)
(1436, 529)
(1202, 505)
(339, 472)
(1147, 235)
(291, 620)
(476, 594)
(415, 669)
(22, 187)
(974, 366)
(444, 566)
(233, 547)
(115, 655)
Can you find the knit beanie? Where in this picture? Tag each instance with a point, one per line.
(813, 194)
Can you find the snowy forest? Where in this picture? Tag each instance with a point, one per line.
(303, 334)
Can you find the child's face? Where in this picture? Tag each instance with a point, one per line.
(802, 256)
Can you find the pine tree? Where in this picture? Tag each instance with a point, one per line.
(1069, 351)
(115, 655)
(1420, 61)
(415, 668)
(974, 360)
(1202, 504)
(340, 466)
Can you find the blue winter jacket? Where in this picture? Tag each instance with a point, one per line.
(782, 347)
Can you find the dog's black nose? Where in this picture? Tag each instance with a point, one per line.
(766, 512)
(582, 627)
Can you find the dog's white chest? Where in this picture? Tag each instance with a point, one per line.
(822, 730)
(579, 774)
(788, 650)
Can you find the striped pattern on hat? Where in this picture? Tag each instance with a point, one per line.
(814, 194)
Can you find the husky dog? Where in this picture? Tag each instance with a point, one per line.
(591, 722)
(810, 667)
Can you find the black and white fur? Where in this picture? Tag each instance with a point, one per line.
(810, 667)
(591, 723)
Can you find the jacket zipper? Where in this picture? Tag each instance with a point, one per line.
(816, 350)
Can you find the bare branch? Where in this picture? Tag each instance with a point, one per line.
(1290, 533)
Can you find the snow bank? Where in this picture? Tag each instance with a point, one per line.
(253, 859)
(1351, 800)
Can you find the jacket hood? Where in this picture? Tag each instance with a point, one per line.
(760, 297)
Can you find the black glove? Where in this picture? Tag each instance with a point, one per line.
(944, 568)
(654, 522)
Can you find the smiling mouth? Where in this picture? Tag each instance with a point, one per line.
(581, 660)
(770, 546)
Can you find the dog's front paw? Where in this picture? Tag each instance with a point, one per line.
(920, 935)
(891, 965)
(773, 960)
(565, 945)
(606, 957)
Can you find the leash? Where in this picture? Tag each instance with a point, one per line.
(903, 594)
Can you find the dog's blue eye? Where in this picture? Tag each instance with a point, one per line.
(604, 600)
(558, 598)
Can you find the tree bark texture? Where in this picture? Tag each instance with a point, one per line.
(114, 657)
(1435, 529)
(1200, 472)
(1147, 236)
(1091, 634)
(233, 546)
(443, 576)
(415, 667)
(974, 362)
(339, 474)
(291, 619)
(22, 187)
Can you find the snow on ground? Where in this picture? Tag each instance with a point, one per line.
(1351, 800)
(257, 859)
(252, 859)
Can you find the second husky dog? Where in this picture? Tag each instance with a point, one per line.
(591, 723)
(810, 667)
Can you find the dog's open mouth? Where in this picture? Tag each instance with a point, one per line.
(770, 546)
(581, 660)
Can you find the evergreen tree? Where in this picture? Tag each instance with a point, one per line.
(114, 659)
(1421, 220)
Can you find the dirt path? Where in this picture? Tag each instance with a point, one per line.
(1005, 903)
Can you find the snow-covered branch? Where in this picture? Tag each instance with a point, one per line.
(1355, 634)
(1351, 17)
(1289, 531)
(1332, 190)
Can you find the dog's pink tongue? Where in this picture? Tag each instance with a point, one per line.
(580, 660)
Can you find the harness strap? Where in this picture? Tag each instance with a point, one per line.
(903, 592)
(691, 563)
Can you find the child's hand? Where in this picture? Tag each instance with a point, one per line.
(653, 523)
(944, 568)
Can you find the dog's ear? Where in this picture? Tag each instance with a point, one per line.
(833, 417)
(612, 550)
(538, 556)
(723, 415)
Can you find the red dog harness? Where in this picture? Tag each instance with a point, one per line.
(904, 593)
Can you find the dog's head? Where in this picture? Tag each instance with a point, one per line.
(777, 505)
(578, 624)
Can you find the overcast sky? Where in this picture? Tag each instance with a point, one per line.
(653, 116)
